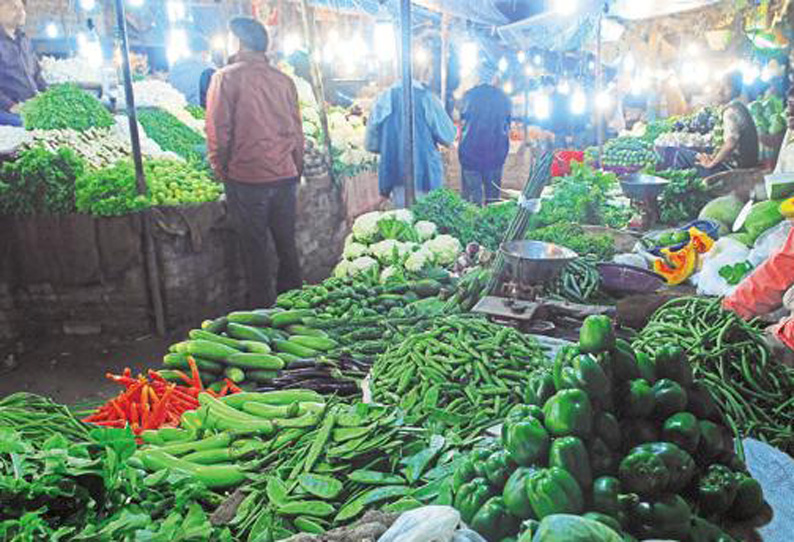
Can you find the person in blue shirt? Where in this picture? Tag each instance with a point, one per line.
(432, 127)
(191, 75)
(485, 115)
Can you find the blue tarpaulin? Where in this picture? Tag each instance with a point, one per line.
(480, 11)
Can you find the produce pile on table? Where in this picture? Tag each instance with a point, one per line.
(347, 136)
(683, 198)
(69, 70)
(624, 439)
(628, 154)
(729, 357)
(151, 93)
(769, 115)
(393, 245)
(171, 134)
(65, 107)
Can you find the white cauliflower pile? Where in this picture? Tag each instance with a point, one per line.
(392, 244)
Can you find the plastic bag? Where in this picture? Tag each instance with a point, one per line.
(427, 524)
(574, 529)
(726, 251)
(635, 260)
(467, 535)
(769, 241)
(762, 292)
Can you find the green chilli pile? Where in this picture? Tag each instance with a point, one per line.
(459, 371)
(730, 357)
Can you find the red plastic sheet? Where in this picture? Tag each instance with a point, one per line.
(762, 292)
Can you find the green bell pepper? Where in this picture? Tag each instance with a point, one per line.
(515, 493)
(671, 362)
(583, 372)
(569, 412)
(498, 468)
(479, 458)
(607, 428)
(638, 431)
(669, 398)
(644, 473)
(717, 490)
(602, 459)
(554, 491)
(682, 429)
(668, 516)
(678, 462)
(604, 519)
(749, 500)
(471, 497)
(527, 441)
(529, 529)
(464, 473)
(608, 497)
(716, 443)
(705, 531)
(624, 362)
(596, 334)
(493, 521)
(570, 454)
(639, 399)
(540, 387)
(702, 404)
(647, 368)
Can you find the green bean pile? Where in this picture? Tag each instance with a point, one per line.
(579, 281)
(460, 371)
(37, 418)
(730, 356)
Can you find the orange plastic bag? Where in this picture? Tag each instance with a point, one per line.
(762, 292)
(784, 332)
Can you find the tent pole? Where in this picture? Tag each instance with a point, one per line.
(152, 268)
(307, 17)
(408, 103)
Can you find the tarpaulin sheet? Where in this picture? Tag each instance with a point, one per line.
(481, 11)
(649, 9)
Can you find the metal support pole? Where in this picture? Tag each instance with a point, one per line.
(317, 81)
(152, 269)
(599, 75)
(408, 103)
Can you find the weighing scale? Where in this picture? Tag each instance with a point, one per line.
(517, 299)
(643, 191)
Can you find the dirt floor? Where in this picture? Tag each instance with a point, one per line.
(71, 370)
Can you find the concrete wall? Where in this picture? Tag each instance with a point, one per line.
(78, 274)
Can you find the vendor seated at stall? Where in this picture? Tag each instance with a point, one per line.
(740, 149)
(20, 73)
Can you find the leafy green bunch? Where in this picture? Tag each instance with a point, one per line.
(40, 182)
(573, 236)
(683, 198)
(196, 111)
(171, 134)
(583, 197)
(65, 107)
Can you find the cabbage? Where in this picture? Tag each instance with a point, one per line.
(723, 210)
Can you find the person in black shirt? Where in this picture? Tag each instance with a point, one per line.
(485, 115)
(20, 73)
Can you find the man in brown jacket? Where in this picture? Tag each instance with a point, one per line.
(255, 145)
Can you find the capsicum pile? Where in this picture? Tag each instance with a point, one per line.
(616, 436)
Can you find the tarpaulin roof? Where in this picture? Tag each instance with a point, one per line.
(552, 31)
(481, 11)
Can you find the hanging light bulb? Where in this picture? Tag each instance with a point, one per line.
(469, 55)
(564, 87)
(51, 30)
(508, 88)
(521, 57)
(384, 41)
(503, 65)
(542, 105)
(578, 102)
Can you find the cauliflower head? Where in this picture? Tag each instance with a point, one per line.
(445, 249)
(419, 260)
(365, 227)
(354, 250)
(403, 215)
(384, 250)
(425, 229)
(362, 265)
(390, 273)
(342, 269)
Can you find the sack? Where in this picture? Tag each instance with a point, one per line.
(426, 524)
(726, 251)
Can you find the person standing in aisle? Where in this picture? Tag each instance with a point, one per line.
(255, 146)
(432, 127)
(20, 73)
(191, 75)
(485, 114)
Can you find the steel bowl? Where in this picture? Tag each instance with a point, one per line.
(640, 186)
(628, 279)
(534, 262)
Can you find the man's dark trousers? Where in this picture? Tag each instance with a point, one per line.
(260, 211)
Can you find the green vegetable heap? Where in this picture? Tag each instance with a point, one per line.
(460, 372)
(683, 198)
(171, 134)
(65, 106)
(112, 191)
(573, 236)
(618, 437)
(769, 115)
(629, 152)
(40, 182)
